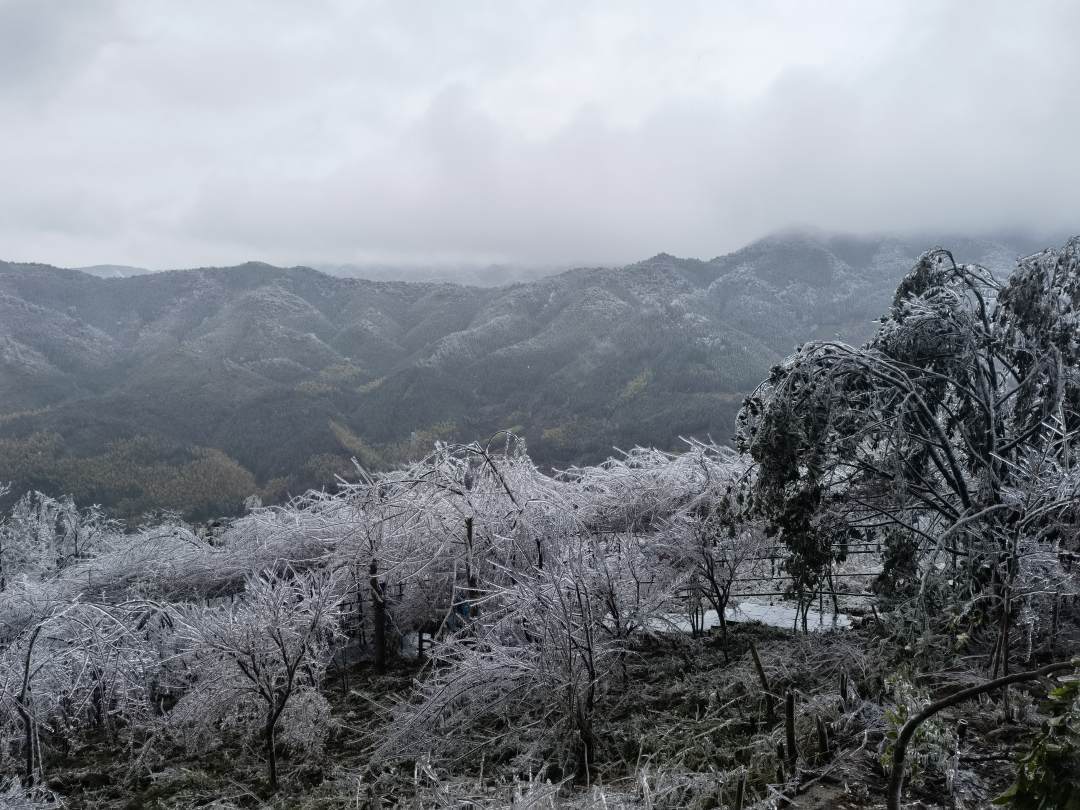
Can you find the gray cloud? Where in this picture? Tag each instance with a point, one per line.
(45, 43)
(153, 133)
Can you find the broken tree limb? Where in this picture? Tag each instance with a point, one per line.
(896, 778)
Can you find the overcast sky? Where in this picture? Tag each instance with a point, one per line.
(169, 134)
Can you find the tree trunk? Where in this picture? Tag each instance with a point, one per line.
(271, 750)
(28, 743)
(588, 747)
(832, 593)
(378, 617)
(24, 706)
(470, 569)
(723, 629)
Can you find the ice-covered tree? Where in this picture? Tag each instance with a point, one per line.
(528, 676)
(910, 438)
(257, 664)
(43, 535)
(78, 666)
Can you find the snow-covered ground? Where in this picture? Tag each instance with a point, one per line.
(773, 615)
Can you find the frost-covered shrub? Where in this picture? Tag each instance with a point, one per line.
(14, 796)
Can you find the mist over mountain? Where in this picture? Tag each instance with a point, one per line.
(477, 275)
(191, 389)
(113, 270)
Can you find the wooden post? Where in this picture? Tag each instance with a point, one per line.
(770, 704)
(792, 758)
(824, 752)
(781, 777)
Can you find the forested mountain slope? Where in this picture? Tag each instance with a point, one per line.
(469, 629)
(189, 389)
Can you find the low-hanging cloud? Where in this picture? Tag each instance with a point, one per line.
(209, 133)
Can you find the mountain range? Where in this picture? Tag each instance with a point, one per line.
(477, 275)
(189, 389)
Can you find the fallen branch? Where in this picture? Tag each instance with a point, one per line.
(896, 778)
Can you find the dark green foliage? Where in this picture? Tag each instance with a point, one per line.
(1048, 775)
(131, 477)
(899, 576)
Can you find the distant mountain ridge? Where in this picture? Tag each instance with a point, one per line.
(113, 270)
(281, 375)
(477, 275)
(471, 274)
